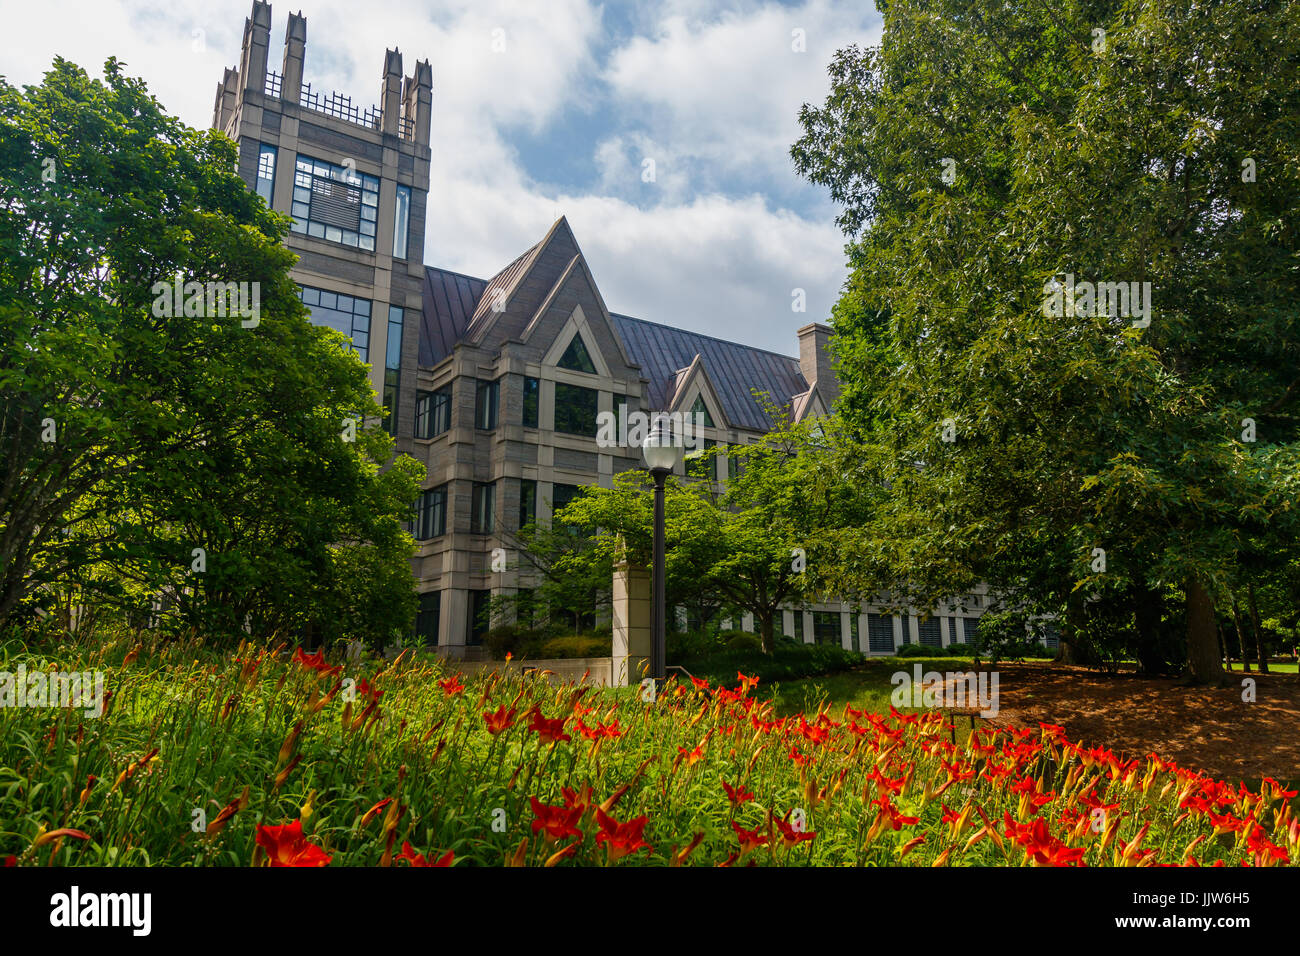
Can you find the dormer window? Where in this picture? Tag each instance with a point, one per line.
(699, 408)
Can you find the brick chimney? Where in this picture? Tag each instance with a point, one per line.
(815, 360)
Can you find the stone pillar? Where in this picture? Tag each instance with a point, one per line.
(256, 47)
(390, 91)
(295, 48)
(631, 612)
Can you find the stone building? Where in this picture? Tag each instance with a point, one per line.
(495, 383)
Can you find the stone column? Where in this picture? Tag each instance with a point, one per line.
(631, 613)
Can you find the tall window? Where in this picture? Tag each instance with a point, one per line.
(929, 633)
(620, 412)
(733, 463)
(527, 501)
(393, 367)
(432, 412)
(575, 409)
(335, 203)
(428, 618)
(431, 513)
(576, 358)
(401, 221)
(880, 633)
(480, 615)
(482, 507)
(348, 314)
(826, 627)
(485, 405)
(532, 392)
(266, 156)
(561, 495)
(701, 464)
(798, 625)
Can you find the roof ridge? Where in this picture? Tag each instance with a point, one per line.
(453, 272)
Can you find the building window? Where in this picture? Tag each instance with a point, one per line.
(401, 221)
(620, 413)
(266, 172)
(826, 627)
(432, 412)
(428, 617)
(561, 495)
(929, 633)
(393, 367)
(334, 203)
(576, 358)
(733, 463)
(698, 409)
(532, 392)
(880, 633)
(481, 507)
(527, 502)
(700, 464)
(480, 615)
(969, 630)
(431, 513)
(485, 405)
(1051, 635)
(575, 409)
(347, 314)
(856, 638)
(798, 625)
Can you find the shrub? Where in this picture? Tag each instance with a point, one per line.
(745, 642)
(573, 645)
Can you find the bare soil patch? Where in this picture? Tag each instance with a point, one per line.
(1211, 730)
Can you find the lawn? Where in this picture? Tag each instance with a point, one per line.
(267, 757)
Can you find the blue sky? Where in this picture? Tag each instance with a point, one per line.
(560, 121)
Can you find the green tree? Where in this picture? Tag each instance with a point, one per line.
(986, 155)
(212, 450)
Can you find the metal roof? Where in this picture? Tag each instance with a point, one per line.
(456, 308)
(734, 369)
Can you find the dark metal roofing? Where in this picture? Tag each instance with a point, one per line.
(449, 301)
(732, 368)
(502, 281)
(456, 307)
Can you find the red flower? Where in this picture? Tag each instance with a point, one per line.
(737, 794)
(620, 838)
(548, 730)
(701, 684)
(692, 756)
(315, 662)
(557, 822)
(452, 685)
(749, 839)
(286, 846)
(11, 860)
(790, 835)
(502, 720)
(417, 859)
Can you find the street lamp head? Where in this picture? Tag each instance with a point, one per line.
(659, 450)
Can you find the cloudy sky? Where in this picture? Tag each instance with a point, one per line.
(561, 121)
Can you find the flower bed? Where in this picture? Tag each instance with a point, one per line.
(276, 759)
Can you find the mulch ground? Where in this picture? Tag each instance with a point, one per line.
(1207, 729)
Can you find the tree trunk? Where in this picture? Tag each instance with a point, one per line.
(1259, 631)
(766, 633)
(1241, 637)
(1203, 664)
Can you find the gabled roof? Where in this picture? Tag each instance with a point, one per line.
(732, 368)
(458, 308)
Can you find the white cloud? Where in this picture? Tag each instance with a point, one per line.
(710, 95)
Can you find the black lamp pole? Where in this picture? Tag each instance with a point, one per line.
(658, 628)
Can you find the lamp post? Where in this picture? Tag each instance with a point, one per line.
(660, 458)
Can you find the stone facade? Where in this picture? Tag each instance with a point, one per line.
(472, 369)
